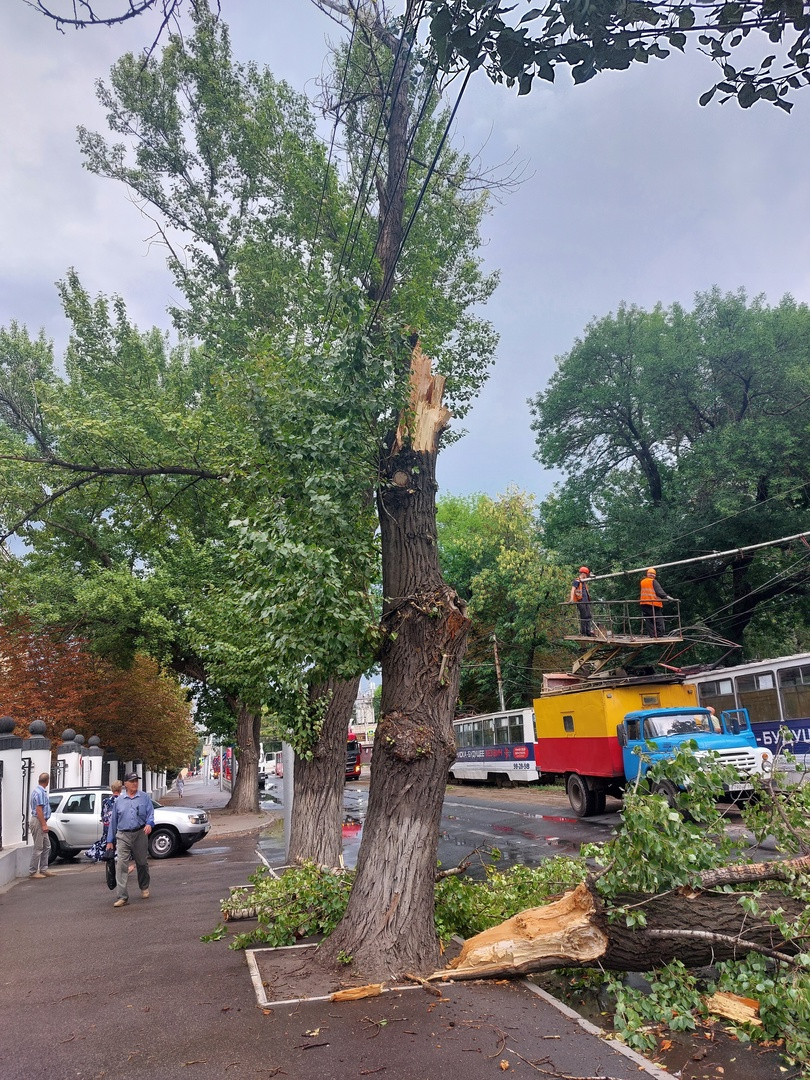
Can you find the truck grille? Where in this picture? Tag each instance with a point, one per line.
(744, 761)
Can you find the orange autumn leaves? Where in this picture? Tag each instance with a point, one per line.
(51, 675)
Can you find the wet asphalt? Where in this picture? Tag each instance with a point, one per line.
(90, 992)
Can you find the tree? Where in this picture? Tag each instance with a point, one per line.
(589, 39)
(491, 551)
(680, 432)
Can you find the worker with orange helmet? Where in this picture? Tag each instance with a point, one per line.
(651, 600)
(582, 598)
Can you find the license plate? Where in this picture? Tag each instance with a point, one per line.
(738, 787)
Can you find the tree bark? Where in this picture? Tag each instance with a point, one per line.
(245, 790)
(574, 931)
(317, 814)
(388, 926)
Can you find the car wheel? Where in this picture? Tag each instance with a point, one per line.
(53, 854)
(163, 843)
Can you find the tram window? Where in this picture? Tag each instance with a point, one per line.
(795, 686)
(568, 723)
(501, 729)
(488, 726)
(477, 735)
(757, 693)
(516, 729)
(719, 693)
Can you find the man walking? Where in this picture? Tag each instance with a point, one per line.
(133, 818)
(40, 812)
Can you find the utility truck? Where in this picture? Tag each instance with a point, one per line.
(599, 739)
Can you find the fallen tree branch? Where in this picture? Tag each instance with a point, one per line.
(724, 939)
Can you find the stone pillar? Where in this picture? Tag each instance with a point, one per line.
(69, 760)
(11, 806)
(110, 767)
(36, 759)
(92, 762)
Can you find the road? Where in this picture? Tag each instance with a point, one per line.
(526, 826)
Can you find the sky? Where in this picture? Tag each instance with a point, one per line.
(631, 192)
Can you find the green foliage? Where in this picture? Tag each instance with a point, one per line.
(673, 1000)
(303, 902)
(610, 36)
(659, 846)
(466, 907)
(784, 1001)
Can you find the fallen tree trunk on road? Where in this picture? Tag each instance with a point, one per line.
(575, 930)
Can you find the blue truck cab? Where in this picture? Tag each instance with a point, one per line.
(651, 735)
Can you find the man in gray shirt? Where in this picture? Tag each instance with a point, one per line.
(133, 818)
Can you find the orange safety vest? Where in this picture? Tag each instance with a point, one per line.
(648, 594)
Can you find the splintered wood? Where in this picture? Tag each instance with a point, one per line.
(427, 417)
(562, 929)
(356, 993)
(740, 1010)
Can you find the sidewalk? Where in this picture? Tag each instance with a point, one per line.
(91, 992)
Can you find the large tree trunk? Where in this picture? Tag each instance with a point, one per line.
(317, 812)
(698, 928)
(245, 791)
(388, 926)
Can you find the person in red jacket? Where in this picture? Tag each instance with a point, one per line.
(651, 601)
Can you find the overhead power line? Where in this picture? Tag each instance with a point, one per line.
(700, 558)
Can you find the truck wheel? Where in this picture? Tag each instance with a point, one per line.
(669, 792)
(581, 796)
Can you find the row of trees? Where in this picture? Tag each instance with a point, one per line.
(216, 503)
(241, 495)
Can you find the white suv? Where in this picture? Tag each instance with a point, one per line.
(75, 824)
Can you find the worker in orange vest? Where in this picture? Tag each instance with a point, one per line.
(652, 595)
(582, 598)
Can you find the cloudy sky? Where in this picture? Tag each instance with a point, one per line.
(631, 192)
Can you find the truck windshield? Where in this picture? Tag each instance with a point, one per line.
(660, 727)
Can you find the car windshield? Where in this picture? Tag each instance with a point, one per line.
(659, 727)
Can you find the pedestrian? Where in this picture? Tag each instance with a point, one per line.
(652, 595)
(179, 784)
(98, 852)
(582, 598)
(40, 812)
(131, 822)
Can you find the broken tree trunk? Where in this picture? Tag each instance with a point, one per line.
(388, 927)
(575, 931)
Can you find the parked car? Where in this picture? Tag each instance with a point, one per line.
(75, 824)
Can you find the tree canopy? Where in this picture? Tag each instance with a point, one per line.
(492, 552)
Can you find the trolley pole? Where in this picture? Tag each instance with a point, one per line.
(498, 671)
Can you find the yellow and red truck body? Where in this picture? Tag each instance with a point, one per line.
(576, 729)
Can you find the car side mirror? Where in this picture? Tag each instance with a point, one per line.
(621, 734)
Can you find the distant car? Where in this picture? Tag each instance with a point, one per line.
(75, 824)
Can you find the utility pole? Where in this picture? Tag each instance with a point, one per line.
(498, 671)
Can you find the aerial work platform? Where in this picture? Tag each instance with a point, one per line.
(621, 633)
